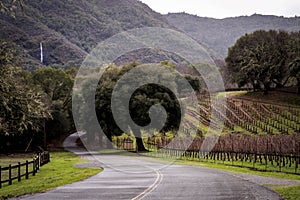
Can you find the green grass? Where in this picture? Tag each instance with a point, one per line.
(289, 192)
(5, 161)
(60, 171)
(232, 93)
(14, 159)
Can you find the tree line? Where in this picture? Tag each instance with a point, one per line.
(32, 102)
(265, 60)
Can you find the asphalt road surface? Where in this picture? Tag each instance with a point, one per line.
(126, 177)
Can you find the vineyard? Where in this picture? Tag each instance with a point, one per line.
(264, 152)
(255, 135)
(247, 116)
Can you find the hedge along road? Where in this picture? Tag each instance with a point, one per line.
(126, 177)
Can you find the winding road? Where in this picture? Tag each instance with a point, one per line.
(128, 177)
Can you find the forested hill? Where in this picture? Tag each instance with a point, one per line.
(70, 29)
(219, 34)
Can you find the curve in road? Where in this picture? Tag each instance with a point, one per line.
(127, 177)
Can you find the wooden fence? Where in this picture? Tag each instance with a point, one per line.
(124, 143)
(279, 153)
(20, 170)
(261, 162)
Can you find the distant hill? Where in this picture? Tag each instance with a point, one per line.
(70, 29)
(220, 34)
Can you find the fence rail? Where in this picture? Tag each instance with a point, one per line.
(23, 169)
(261, 162)
(265, 153)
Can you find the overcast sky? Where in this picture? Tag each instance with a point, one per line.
(227, 8)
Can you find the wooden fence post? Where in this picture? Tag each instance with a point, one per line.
(296, 163)
(19, 171)
(297, 152)
(232, 149)
(9, 175)
(0, 177)
(26, 176)
(39, 161)
(42, 159)
(33, 166)
(280, 153)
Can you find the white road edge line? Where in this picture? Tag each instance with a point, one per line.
(151, 187)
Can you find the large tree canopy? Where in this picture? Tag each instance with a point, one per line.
(260, 59)
(22, 105)
(141, 101)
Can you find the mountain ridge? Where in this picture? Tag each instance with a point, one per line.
(69, 30)
(220, 34)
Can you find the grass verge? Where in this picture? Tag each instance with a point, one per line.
(60, 171)
(288, 192)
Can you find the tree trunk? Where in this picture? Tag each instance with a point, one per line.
(139, 141)
(266, 88)
(256, 86)
(109, 144)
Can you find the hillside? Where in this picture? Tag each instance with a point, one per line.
(70, 29)
(220, 34)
